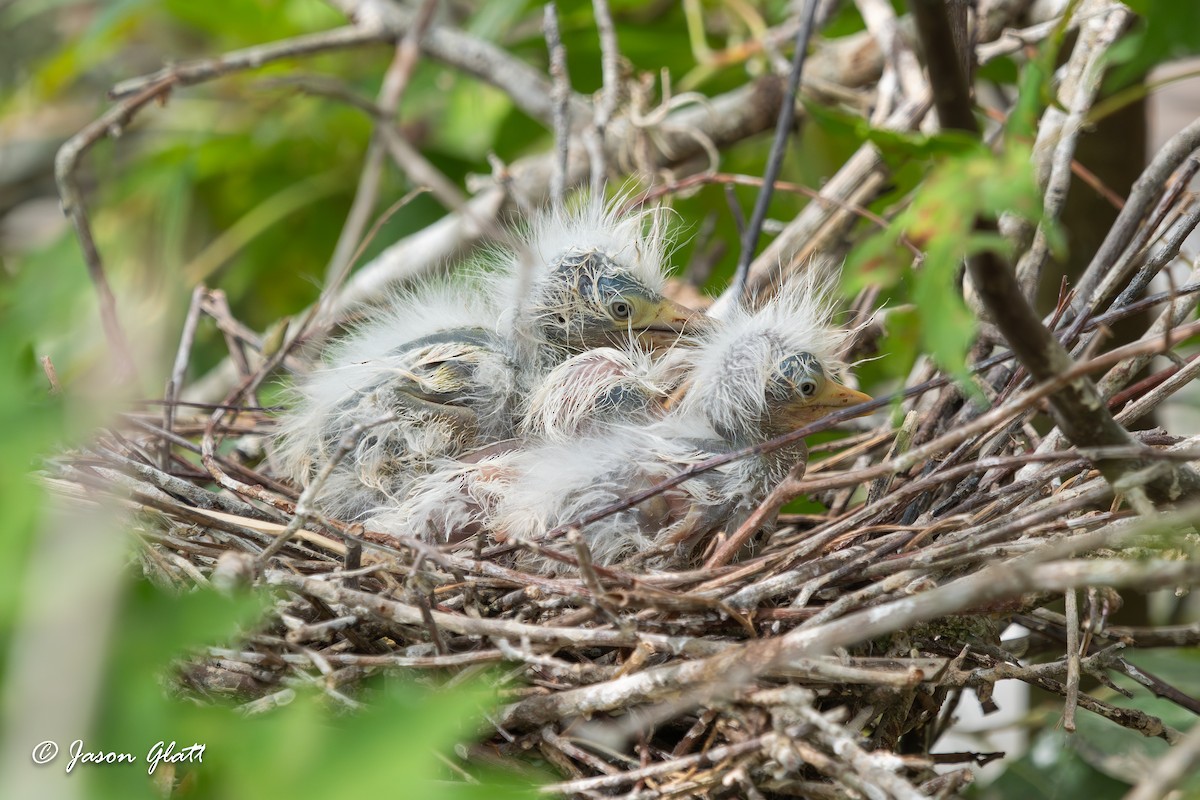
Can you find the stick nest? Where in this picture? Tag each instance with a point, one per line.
(824, 663)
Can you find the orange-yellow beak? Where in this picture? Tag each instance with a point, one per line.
(832, 396)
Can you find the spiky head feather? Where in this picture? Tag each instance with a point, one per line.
(733, 364)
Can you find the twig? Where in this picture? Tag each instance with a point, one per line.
(1160, 636)
(875, 769)
(783, 130)
(66, 163)
(401, 613)
(749, 180)
(423, 173)
(588, 571)
(201, 70)
(787, 490)
(676, 765)
(604, 109)
(1059, 133)
(528, 88)
(1072, 613)
(1146, 190)
(561, 82)
(1054, 626)
(305, 505)
(395, 82)
(182, 356)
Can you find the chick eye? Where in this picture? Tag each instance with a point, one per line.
(620, 310)
(808, 388)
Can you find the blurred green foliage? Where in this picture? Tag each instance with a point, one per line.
(1165, 30)
(1101, 759)
(404, 738)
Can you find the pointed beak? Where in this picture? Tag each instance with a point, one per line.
(671, 321)
(833, 396)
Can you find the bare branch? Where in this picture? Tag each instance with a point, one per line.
(562, 94)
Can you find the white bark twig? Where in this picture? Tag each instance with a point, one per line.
(562, 95)
(395, 82)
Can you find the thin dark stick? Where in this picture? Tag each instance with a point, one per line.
(726, 179)
(66, 162)
(211, 406)
(735, 208)
(787, 118)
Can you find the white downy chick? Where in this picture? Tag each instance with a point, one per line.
(758, 375)
(452, 361)
(587, 395)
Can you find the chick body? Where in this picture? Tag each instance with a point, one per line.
(449, 383)
(589, 394)
(449, 364)
(760, 374)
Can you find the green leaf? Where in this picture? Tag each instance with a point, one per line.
(896, 147)
(1167, 30)
(941, 220)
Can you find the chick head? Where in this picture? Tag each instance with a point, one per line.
(769, 371)
(595, 389)
(598, 278)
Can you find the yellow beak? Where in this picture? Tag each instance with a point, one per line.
(672, 320)
(835, 395)
(832, 396)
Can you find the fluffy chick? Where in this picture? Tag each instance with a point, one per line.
(587, 395)
(760, 374)
(428, 375)
(598, 280)
(448, 364)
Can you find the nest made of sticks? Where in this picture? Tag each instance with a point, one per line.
(833, 627)
(828, 662)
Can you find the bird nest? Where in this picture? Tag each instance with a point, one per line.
(829, 660)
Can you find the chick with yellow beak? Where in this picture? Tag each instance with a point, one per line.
(758, 374)
(598, 280)
(445, 368)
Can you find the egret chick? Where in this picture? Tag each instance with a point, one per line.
(429, 375)
(591, 390)
(444, 368)
(760, 374)
(597, 280)
(588, 394)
